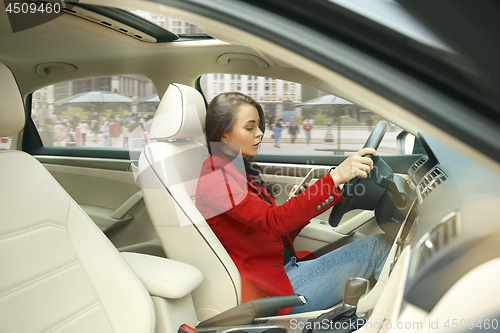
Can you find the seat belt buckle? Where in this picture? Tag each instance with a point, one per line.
(186, 329)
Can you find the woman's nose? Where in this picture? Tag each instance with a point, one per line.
(259, 133)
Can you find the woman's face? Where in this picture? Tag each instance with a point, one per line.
(245, 134)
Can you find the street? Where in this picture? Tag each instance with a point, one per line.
(351, 139)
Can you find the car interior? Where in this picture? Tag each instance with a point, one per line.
(109, 239)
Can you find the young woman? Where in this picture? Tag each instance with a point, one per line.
(258, 235)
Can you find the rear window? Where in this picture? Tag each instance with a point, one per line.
(98, 112)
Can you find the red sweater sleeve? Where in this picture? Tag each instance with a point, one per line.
(226, 191)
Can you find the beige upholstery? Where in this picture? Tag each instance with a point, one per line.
(163, 277)
(181, 116)
(59, 273)
(168, 172)
(12, 122)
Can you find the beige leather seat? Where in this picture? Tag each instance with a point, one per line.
(59, 272)
(169, 168)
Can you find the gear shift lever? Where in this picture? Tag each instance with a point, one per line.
(354, 288)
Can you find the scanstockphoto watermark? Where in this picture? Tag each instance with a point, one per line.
(436, 324)
(326, 324)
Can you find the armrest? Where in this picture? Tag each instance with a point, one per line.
(164, 277)
(245, 313)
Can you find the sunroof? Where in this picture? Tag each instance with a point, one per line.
(123, 21)
(141, 25)
(178, 27)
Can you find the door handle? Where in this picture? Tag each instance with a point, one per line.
(121, 212)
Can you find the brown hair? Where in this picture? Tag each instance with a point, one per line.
(221, 116)
(222, 112)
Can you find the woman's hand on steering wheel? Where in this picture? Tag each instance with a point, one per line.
(355, 165)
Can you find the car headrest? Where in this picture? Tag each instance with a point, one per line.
(11, 104)
(180, 115)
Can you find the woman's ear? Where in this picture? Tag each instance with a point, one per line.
(225, 137)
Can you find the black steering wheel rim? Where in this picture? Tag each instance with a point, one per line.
(376, 135)
(351, 188)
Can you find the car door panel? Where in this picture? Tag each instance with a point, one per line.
(110, 196)
(95, 187)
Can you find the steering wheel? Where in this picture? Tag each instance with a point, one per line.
(363, 193)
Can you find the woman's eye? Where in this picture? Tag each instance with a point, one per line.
(250, 128)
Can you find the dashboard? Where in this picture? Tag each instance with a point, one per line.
(452, 218)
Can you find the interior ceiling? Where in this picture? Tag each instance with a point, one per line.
(98, 51)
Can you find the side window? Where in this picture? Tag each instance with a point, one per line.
(5, 142)
(302, 119)
(98, 112)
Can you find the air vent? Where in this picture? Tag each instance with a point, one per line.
(417, 165)
(430, 181)
(437, 239)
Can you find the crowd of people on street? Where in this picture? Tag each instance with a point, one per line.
(113, 131)
(293, 130)
(108, 131)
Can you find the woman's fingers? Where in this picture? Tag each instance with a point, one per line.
(365, 168)
(366, 151)
(363, 172)
(294, 188)
(367, 161)
(356, 165)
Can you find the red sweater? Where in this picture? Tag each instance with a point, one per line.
(115, 130)
(250, 229)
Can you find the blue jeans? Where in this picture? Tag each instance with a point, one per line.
(322, 280)
(277, 140)
(308, 137)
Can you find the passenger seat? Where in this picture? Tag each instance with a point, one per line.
(59, 272)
